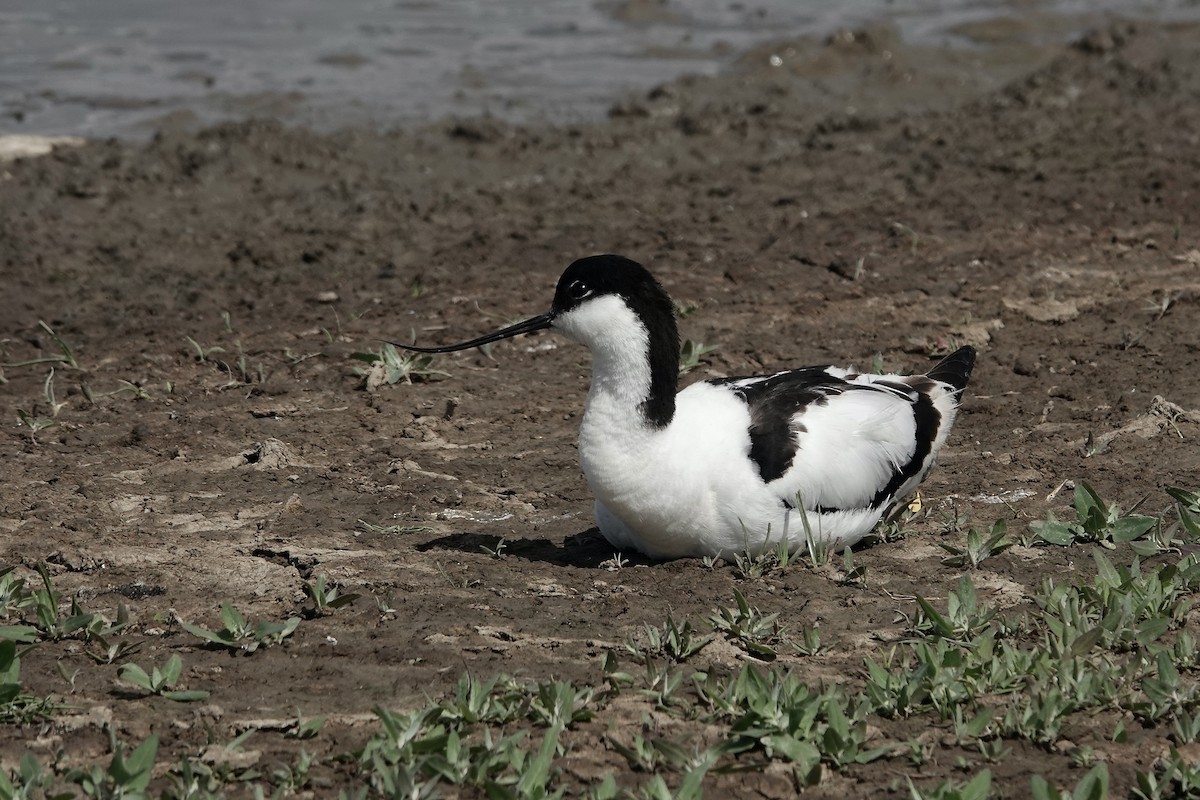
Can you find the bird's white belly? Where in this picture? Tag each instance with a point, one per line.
(691, 490)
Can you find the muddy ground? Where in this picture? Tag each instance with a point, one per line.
(862, 198)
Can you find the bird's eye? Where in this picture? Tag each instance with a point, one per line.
(577, 290)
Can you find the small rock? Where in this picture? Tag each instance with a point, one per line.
(16, 146)
(1026, 367)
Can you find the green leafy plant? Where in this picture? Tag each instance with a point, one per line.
(35, 423)
(965, 614)
(752, 566)
(1188, 506)
(893, 688)
(978, 788)
(160, 681)
(777, 714)
(52, 404)
(65, 356)
(852, 574)
(685, 308)
(50, 621)
(496, 552)
(126, 386)
(1092, 786)
(1096, 521)
(810, 641)
(672, 641)
(977, 550)
(1093, 446)
(757, 633)
(204, 353)
(559, 704)
(895, 526)
(690, 354)
(126, 776)
(111, 652)
(1174, 777)
(29, 780)
(1166, 693)
(238, 634)
(15, 598)
(16, 705)
(326, 598)
(387, 367)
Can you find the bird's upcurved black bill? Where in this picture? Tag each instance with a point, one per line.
(540, 322)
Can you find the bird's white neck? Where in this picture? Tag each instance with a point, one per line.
(634, 369)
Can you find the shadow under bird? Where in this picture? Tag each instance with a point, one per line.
(732, 465)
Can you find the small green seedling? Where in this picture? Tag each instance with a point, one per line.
(965, 616)
(34, 422)
(691, 353)
(852, 574)
(238, 634)
(160, 681)
(752, 566)
(326, 597)
(126, 386)
(204, 353)
(29, 779)
(48, 394)
(1097, 522)
(978, 788)
(294, 358)
(810, 641)
(16, 705)
(389, 367)
(673, 641)
(977, 550)
(1093, 446)
(1174, 776)
(244, 373)
(66, 356)
(757, 633)
(125, 777)
(895, 526)
(111, 652)
(497, 551)
(819, 549)
(1161, 306)
(914, 238)
(305, 728)
(51, 623)
(15, 597)
(1188, 506)
(1092, 786)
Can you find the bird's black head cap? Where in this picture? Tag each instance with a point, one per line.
(612, 274)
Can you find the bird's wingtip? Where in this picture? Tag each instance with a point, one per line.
(955, 369)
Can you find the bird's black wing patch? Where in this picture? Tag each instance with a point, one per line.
(773, 402)
(928, 420)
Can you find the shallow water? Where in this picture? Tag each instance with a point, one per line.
(123, 67)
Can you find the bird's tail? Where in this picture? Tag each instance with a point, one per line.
(955, 369)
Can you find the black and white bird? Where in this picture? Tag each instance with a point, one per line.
(733, 465)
